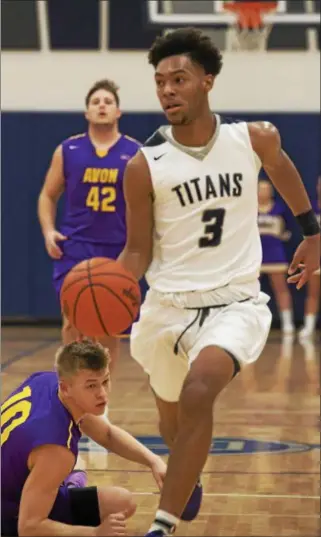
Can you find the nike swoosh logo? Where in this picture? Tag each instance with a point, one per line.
(160, 156)
(73, 147)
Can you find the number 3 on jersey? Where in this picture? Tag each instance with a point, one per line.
(214, 228)
(102, 199)
(17, 407)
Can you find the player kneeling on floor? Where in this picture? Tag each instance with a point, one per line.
(41, 424)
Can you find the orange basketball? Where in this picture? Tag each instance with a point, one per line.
(100, 297)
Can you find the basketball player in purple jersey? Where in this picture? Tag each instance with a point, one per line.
(274, 264)
(89, 168)
(312, 301)
(41, 424)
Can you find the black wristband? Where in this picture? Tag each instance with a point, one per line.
(308, 223)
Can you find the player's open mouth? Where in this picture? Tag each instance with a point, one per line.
(101, 405)
(172, 107)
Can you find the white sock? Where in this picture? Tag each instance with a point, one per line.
(286, 319)
(165, 522)
(310, 321)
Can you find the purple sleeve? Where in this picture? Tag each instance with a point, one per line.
(56, 432)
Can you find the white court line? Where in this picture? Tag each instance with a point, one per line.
(235, 495)
(230, 411)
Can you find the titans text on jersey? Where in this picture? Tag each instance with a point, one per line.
(200, 189)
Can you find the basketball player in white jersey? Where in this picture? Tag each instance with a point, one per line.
(191, 195)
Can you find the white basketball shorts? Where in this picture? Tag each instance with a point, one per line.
(241, 328)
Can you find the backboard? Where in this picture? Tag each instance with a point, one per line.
(212, 13)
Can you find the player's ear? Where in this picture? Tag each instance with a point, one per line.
(63, 387)
(86, 114)
(208, 82)
(119, 113)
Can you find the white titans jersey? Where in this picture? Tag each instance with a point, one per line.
(205, 210)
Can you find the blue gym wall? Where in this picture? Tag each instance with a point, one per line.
(28, 140)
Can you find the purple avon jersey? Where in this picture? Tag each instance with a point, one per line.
(271, 226)
(94, 199)
(31, 416)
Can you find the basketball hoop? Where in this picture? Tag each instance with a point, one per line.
(249, 31)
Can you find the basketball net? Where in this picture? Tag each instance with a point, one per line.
(249, 31)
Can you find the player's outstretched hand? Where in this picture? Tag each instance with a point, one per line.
(113, 525)
(159, 469)
(51, 240)
(306, 260)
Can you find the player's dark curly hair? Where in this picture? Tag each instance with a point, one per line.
(190, 42)
(84, 354)
(105, 84)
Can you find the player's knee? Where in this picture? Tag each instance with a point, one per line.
(126, 502)
(116, 500)
(212, 370)
(131, 506)
(197, 397)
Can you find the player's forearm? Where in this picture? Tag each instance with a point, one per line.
(288, 183)
(50, 528)
(135, 261)
(126, 446)
(47, 210)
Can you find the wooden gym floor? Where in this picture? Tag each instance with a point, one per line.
(262, 478)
